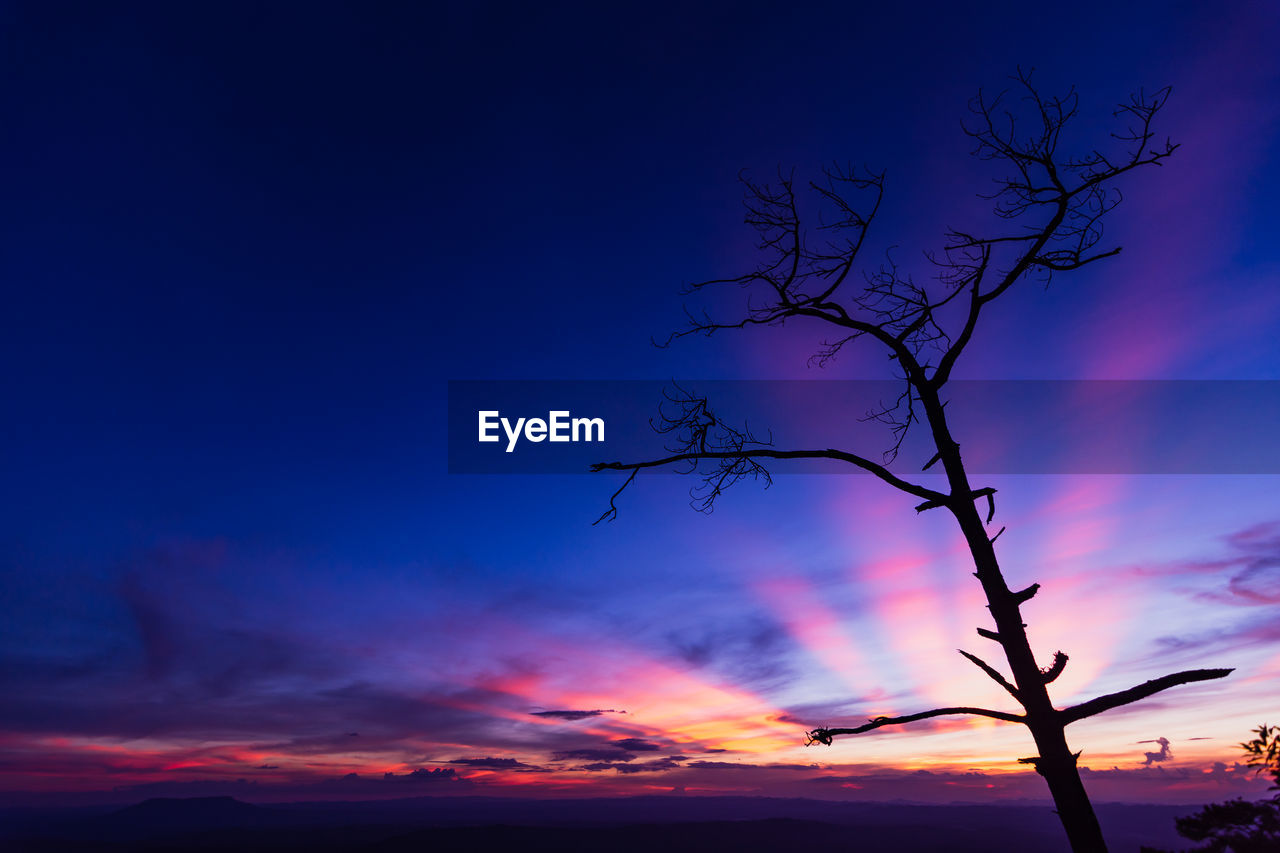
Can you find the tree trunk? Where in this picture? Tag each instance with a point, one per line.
(1055, 762)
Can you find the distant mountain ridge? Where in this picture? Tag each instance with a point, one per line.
(192, 811)
(672, 824)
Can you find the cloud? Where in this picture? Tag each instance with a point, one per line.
(735, 765)
(1163, 754)
(604, 754)
(617, 751)
(1259, 582)
(574, 715)
(1246, 577)
(748, 650)
(1264, 537)
(421, 780)
(672, 763)
(491, 763)
(1251, 567)
(635, 744)
(420, 775)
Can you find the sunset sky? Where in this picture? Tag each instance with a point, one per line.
(246, 247)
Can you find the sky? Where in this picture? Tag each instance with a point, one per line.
(245, 249)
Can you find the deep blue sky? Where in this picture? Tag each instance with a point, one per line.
(244, 247)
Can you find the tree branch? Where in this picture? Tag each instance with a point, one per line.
(1074, 194)
(1053, 670)
(992, 672)
(612, 512)
(824, 735)
(767, 453)
(1142, 691)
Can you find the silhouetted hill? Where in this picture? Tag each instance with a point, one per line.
(778, 835)
(158, 818)
(176, 809)
(666, 823)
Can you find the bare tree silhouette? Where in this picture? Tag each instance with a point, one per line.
(1053, 207)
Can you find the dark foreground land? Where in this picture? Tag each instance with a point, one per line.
(649, 824)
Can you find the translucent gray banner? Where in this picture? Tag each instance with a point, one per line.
(1003, 426)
